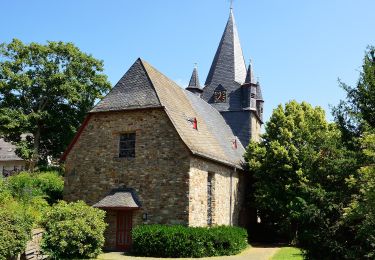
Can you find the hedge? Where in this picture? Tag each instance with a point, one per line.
(181, 241)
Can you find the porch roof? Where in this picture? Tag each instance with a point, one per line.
(119, 198)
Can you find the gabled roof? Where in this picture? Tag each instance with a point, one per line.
(119, 198)
(134, 90)
(228, 63)
(194, 81)
(213, 139)
(7, 152)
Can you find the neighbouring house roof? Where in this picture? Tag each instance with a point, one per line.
(7, 152)
(212, 140)
(119, 198)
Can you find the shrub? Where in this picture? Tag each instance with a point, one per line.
(180, 241)
(73, 230)
(25, 186)
(51, 184)
(15, 227)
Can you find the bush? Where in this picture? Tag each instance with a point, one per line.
(73, 230)
(15, 227)
(51, 184)
(180, 241)
(25, 186)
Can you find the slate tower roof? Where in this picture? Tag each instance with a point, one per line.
(232, 89)
(194, 85)
(250, 78)
(228, 64)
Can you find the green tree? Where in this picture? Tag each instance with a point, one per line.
(301, 172)
(355, 114)
(46, 90)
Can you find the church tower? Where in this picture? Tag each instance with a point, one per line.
(232, 89)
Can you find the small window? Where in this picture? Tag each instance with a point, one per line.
(127, 145)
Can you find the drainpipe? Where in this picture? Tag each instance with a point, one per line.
(230, 197)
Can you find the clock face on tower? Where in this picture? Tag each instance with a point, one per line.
(220, 96)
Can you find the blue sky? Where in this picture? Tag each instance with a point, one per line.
(299, 48)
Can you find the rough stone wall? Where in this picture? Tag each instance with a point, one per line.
(158, 173)
(225, 211)
(255, 128)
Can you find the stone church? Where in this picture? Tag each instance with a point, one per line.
(152, 152)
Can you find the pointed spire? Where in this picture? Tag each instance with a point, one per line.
(228, 62)
(250, 74)
(194, 85)
(194, 80)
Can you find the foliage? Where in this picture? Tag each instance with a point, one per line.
(317, 183)
(301, 170)
(15, 227)
(360, 216)
(288, 253)
(48, 185)
(357, 112)
(73, 230)
(46, 90)
(180, 241)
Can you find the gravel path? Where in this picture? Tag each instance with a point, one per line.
(251, 253)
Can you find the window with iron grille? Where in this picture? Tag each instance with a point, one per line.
(127, 145)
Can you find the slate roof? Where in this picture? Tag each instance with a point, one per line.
(259, 95)
(7, 152)
(194, 81)
(250, 78)
(213, 139)
(134, 90)
(228, 62)
(119, 198)
(228, 70)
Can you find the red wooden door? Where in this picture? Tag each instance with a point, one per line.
(123, 231)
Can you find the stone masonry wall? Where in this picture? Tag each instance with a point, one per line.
(222, 212)
(255, 128)
(158, 173)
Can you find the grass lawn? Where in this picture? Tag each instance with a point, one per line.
(288, 253)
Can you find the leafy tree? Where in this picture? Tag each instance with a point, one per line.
(46, 90)
(301, 172)
(73, 231)
(360, 216)
(357, 112)
(356, 116)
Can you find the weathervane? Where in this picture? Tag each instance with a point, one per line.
(231, 4)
